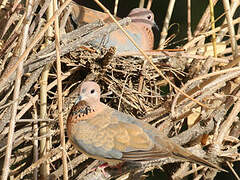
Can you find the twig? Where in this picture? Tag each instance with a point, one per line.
(181, 175)
(65, 18)
(35, 98)
(213, 27)
(193, 133)
(141, 3)
(204, 20)
(38, 163)
(224, 128)
(88, 169)
(149, 4)
(3, 4)
(231, 28)
(14, 17)
(164, 32)
(189, 29)
(35, 119)
(44, 142)
(119, 104)
(40, 13)
(222, 34)
(59, 89)
(206, 34)
(209, 88)
(210, 75)
(9, 71)
(44, 146)
(234, 172)
(35, 141)
(19, 73)
(115, 8)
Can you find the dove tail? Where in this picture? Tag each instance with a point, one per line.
(191, 157)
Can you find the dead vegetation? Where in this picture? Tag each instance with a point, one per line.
(32, 141)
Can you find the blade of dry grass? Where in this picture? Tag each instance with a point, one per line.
(231, 28)
(59, 90)
(44, 143)
(164, 32)
(189, 29)
(141, 3)
(149, 4)
(213, 27)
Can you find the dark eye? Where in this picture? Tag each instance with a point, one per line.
(92, 91)
(149, 17)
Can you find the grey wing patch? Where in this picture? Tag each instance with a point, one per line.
(128, 45)
(119, 40)
(123, 117)
(129, 119)
(97, 151)
(93, 142)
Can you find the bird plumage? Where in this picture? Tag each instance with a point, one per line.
(106, 134)
(140, 29)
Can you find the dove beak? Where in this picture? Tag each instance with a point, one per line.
(155, 26)
(79, 99)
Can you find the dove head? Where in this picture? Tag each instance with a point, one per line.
(89, 92)
(143, 16)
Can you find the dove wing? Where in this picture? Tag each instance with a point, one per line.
(111, 134)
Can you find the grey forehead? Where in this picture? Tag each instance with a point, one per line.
(141, 13)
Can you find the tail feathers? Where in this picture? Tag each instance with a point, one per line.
(191, 157)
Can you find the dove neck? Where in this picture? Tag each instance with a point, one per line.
(97, 106)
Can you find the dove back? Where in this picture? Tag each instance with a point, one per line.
(140, 29)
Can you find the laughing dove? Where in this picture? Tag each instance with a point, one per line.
(140, 29)
(106, 134)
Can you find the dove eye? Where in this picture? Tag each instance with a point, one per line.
(92, 91)
(149, 17)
